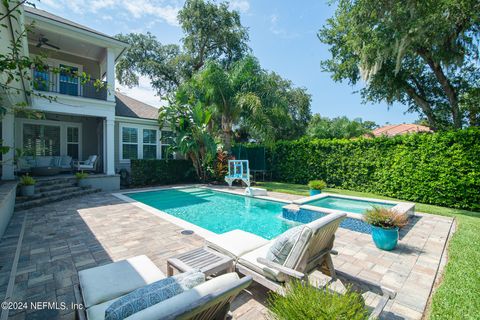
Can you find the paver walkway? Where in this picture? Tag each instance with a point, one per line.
(63, 238)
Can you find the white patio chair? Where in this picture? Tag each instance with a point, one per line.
(88, 165)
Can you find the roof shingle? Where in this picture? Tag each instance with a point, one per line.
(397, 129)
(129, 107)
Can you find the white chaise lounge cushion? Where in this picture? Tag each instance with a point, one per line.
(235, 243)
(167, 307)
(113, 280)
(249, 260)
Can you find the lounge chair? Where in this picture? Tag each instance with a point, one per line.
(99, 287)
(311, 250)
(88, 165)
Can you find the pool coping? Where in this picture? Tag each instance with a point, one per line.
(407, 208)
(204, 233)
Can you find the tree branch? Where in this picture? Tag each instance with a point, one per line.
(423, 103)
(449, 90)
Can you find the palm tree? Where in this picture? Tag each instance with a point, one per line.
(231, 94)
(193, 139)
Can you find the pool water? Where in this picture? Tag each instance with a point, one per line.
(219, 212)
(348, 205)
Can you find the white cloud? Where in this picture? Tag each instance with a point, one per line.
(154, 10)
(101, 4)
(276, 29)
(142, 8)
(143, 92)
(241, 5)
(51, 3)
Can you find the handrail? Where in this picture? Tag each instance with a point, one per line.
(48, 81)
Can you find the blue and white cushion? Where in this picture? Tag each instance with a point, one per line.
(282, 246)
(152, 294)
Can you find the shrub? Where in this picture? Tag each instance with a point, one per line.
(157, 172)
(440, 168)
(317, 184)
(26, 180)
(220, 165)
(81, 175)
(385, 218)
(304, 301)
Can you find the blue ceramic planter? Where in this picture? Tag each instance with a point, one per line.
(385, 239)
(314, 192)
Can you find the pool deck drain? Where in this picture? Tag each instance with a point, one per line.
(63, 238)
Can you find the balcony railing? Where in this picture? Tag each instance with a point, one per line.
(68, 83)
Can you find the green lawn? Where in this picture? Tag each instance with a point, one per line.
(458, 295)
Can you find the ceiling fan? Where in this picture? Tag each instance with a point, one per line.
(44, 41)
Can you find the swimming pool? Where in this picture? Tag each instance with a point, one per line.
(219, 212)
(347, 204)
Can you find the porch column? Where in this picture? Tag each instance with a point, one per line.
(110, 146)
(8, 141)
(110, 74)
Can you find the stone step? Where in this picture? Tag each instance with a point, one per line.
(41, 182)
(45, 200)
(51, 187)
(50, 192)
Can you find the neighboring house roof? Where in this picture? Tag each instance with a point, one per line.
(51, 16)
(129, 107)
(397, 129)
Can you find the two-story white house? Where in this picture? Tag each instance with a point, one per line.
(81, 120)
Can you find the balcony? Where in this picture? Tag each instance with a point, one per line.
(65, 81)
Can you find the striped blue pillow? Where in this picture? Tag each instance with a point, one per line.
(282, 246)
(152, 294)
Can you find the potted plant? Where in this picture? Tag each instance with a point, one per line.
(316, 186)
(385, 224)
(27, 185)
(81, 179)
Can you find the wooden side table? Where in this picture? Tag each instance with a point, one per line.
(208, 261)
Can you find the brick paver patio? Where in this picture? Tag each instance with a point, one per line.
(63, 238)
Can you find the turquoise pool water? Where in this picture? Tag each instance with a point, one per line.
(219, 212)
(348, 205)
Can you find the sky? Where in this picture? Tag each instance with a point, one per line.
(283, 36)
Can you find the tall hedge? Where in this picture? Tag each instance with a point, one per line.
(155, 172)
(441, 168)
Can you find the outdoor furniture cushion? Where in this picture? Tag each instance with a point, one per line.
(249, 260)
(235, 243)
(283, 244)
(164, 308)
(113, 280)
(152, 294)
(56, 161)
(66, 162)
(25, 163)
(90, 161)
(43, 161)
(298, 248)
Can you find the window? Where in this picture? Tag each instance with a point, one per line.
(68, 80)
(73, 142)
(149, 144)
(41, 140)
(167, 139)
(41, 80)
(129, 143)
